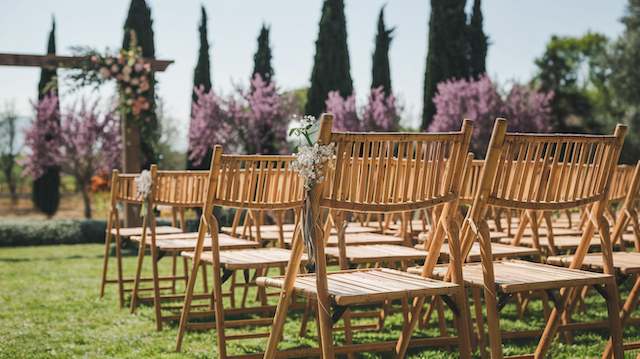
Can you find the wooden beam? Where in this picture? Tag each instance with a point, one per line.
(53, 61)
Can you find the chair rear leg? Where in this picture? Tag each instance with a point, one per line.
(629, 306)
(119, 268)
(477, 305)
(105, 265)
(136, 280)
(156, 288)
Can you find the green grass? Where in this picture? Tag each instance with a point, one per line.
(49, 307)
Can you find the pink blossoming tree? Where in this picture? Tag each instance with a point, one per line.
(87, 142)
(345, 113)
(479, 100)
(380, 114)
(210, 125)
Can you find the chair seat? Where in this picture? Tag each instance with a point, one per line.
(187, 242)
(629, 237)
(542, 232)
(137, 231)
(249, 258)
(289, 227)
(359, 238)
(561, 242)
(498, 251)
(366, 285)
(378, 253)
(625, 262)
(516, 276)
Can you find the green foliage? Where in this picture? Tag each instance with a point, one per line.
(380, 72)
(140, 23)
(31, 233)
(262, 57)
(477, 42)
(331, 68)
(625, 79)
(447, 51)
(45, 193)
(574, 68)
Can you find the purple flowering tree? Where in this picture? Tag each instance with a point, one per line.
(261, 120)
(479, 100)
(345, 113)
(528, 110)
(380, 113)
(85, 143)
(210, 125)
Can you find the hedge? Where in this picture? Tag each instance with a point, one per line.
(20, 232)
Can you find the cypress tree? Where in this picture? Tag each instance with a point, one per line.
(139, 21)
(46, 188)
(202, 77)
(262, 58)
(478, 42)
(447, 50)
(380, 73)
(331, 69)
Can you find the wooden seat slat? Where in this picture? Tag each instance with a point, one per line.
(498, 250)
(625, 262)
(377, 253)
(248, 258)
(561, 242)
(366, 286)
(137, 231)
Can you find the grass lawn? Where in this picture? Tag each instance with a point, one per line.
(49, 307)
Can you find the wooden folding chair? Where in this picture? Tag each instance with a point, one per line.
(258, 183)
(178, 190)
(626, 264)
(123, 192)
(361, 182)
(543, 172)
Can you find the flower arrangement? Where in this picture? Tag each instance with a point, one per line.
(143, 189)
(311, 157)
(131, 72)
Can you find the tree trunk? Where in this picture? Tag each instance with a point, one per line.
(131, 163)
(86, 199)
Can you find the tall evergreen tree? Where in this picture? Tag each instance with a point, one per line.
(46, 188)
(380, 73)
(447, 50)
(139, 21)
(262, 58)
(478, 42)
(202, 78)
(331, 69)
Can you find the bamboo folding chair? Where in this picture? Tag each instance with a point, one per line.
(546, 173)
(626, 264)
(178, 190)
(256, 182)
(123, 192)
(360, 183)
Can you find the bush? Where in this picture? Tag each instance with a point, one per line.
(20, 232)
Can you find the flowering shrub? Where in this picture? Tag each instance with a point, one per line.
(479, 100)
(85, 142)
(210, 125)
(380, 113)
(261, 121)
(43, 137)
(345, 114)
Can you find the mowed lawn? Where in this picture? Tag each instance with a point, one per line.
(49, 307)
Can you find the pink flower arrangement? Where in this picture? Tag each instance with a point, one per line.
(379, 114)
(345, 113)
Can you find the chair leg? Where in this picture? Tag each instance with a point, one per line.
(156, 287)
(477, 305)
(186, 307)
(629, 306)
(105, 265)
(305, 319)
(551, 327)
(119, 267)
(614, 346)
(490, 295)
(174, 269)
(136, 280)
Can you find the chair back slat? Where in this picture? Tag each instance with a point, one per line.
(258, 182)
(180, 188)
(552, 171)
(394, 172)
(125, 188)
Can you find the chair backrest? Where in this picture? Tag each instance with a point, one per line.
(471, 179)
(179, 188)
(544, 171)
(628, 210)
(123, 188)
(621, 182)
(395, 172)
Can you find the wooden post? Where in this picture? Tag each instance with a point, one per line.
(131, 162)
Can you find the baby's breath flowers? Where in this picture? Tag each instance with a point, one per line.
(311, 157)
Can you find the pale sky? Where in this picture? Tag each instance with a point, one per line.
(518, 31)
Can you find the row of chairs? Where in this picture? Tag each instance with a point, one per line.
(389, 177)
